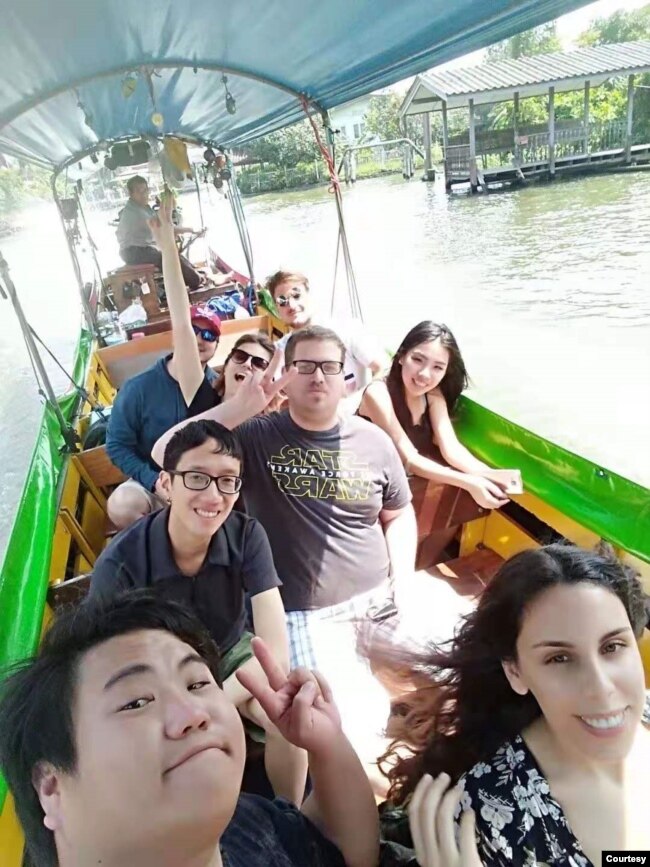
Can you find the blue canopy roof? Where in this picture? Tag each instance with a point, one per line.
(64, 62)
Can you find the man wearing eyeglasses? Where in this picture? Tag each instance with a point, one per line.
(363, 357)
(150, 403)
(331, 492)
(199, 552)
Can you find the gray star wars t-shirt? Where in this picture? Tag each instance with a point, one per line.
(318, 495)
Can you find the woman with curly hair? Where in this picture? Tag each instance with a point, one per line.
(534, 711)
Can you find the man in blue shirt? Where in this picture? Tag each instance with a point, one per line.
(133, 755)
(137, 245)
(146, 406)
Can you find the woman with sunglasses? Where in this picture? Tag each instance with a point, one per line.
(196, 341)
(201, 553)
(251, 352)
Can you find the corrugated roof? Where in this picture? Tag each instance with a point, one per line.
(561, 67)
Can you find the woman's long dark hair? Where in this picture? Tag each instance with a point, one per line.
(463, 708)
(259, 338)
(455, 379)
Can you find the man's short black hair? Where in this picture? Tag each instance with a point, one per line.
(194, 434)
(37, 698)
(311, 332)
(134, 182)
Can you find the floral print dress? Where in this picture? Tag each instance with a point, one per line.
(518, 822)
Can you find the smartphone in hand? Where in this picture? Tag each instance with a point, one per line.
(509, 480)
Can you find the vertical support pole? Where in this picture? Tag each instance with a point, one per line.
(428, 165)
(585, 115)
(515, 128)
(445, 145)
(473, 180)
(43, 380)
(551, 131)
(630, 118)
(85, 305)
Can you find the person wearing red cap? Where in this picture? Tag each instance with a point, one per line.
(151, 402)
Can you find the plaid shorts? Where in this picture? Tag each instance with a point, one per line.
(302, 625)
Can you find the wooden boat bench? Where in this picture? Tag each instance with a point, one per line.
(439, 510)
(98, 473)
(70, 592)
(97, 476)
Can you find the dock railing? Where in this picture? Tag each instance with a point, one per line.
(501, 149)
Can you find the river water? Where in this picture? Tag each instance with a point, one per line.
(547, 289)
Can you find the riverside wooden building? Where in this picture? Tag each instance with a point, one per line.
(482, 156)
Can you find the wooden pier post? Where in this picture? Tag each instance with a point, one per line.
(630, 118)
(428, 164)
(551, 131)
(585, 115)
(515, 128)
(473, 178)
(445, 145)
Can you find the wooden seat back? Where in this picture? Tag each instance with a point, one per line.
(116, 280)
(439, 510)
(125, 360)
(97, 465)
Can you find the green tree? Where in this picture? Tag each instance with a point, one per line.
(621, 26)
(539, 40)
(286, 147)
(382, 117)
(609, 100)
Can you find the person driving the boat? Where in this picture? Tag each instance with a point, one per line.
(363, 357)
(121, 749)
(149, 403)
(136, 240)
(414, 404)
(535, 717)
(198, 551)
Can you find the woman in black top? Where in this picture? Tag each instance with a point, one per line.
(414, 405)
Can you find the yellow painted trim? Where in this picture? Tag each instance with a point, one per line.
(567, 527)
(471, 536)
(505, 537)
(11, 835)
(74, 528)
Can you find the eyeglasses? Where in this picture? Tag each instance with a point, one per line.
(329, 368)
(196, 481)
(205, 334)
(240, 356)
(283, 300)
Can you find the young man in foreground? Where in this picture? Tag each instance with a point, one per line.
(200, 552)
(120, 748)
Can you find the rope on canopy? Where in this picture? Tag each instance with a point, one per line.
(335, 188)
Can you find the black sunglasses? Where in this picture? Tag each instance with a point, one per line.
(197, 481)
(205, 334)
(240, 356)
